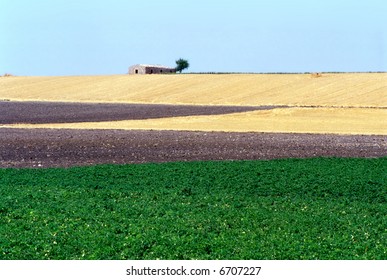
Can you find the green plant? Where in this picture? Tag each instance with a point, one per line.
(181, 64)
(323, 208)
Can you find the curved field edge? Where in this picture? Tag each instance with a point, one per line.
(343, 90)
(354, 121)
(321, 208)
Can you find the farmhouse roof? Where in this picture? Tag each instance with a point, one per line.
(153, 65)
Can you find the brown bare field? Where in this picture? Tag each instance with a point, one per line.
(64, 148)
(338, 90)
(62, 112)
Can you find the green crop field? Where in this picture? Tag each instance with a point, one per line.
(322, 208)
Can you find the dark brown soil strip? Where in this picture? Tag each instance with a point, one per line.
(64, 148)
(58, 112)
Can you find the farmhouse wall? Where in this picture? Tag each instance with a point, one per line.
(150, 69)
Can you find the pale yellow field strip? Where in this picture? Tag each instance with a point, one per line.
(291, 120)
(347, 90)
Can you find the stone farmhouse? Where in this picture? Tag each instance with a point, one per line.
(150, 69)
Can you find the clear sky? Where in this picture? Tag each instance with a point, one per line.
(92, 37)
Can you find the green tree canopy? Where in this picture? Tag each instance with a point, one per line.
(181, 64)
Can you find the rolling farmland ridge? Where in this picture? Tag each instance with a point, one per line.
(347, 103)
(194, 166)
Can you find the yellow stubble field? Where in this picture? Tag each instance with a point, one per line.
(290, 120)
(344, 103)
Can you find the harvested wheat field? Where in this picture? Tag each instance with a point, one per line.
(327, 103)
(348, 90)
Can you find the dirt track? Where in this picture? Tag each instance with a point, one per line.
(54, 148)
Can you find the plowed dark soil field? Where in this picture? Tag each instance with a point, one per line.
(62, 112)
(64, 148)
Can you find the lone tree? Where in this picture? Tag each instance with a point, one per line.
(181, 64)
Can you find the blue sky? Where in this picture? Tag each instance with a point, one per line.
(92, 37)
